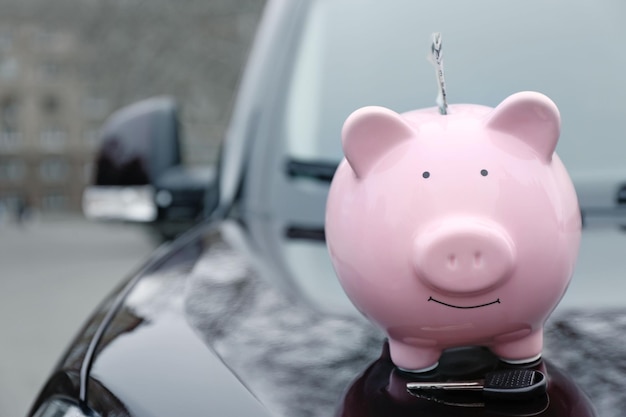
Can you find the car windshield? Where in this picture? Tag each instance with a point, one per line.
(355, 53)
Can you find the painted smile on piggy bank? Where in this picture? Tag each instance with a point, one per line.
(433, 219)
(464, 307)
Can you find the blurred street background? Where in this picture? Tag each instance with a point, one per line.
(65, 66)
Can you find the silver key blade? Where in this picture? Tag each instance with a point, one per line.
(502, 384)
(475, 385)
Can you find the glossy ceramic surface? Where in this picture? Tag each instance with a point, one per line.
(458, 229)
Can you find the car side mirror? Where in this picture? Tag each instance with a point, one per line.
(139, 175)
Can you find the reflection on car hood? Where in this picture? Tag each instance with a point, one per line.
(590, 346)
(296, 360)
(159, 349)
(151, 362)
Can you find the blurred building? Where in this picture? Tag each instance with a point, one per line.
(66, 65)
(48, 125)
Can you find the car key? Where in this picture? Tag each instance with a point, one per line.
(507, 384)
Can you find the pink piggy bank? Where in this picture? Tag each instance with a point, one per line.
(455, 230)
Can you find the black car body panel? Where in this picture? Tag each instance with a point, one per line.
(207, 299)
(121, 343)
(151, 326)
(200, 331)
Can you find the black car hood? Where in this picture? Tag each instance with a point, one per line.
(151, 361)
(205, 334)
(203, 313)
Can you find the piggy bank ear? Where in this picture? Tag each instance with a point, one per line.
(532, 118)
(369, 133)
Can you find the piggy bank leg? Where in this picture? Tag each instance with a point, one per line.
(517, 350)
(413, 358)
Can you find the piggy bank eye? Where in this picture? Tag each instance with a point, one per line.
(425, 174)
(484, 172)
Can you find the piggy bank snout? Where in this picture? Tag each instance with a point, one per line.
(466, 256)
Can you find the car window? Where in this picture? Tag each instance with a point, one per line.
(355, 53)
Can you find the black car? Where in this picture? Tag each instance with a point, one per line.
(242, 314)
